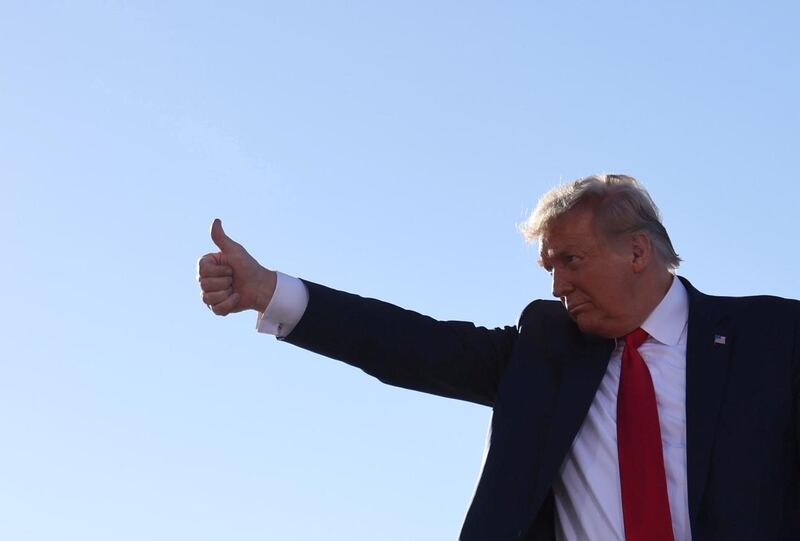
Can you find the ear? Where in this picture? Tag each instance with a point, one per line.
(641, 250)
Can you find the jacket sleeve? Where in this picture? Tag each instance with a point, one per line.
(455, 359)
(796, 385)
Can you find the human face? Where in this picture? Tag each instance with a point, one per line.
(592, 277)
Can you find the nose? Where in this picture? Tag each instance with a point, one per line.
(561, 286)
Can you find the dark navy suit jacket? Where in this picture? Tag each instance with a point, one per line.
(540, 376)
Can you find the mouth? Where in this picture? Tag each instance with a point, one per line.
(574, 310)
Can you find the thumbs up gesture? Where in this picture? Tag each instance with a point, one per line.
(231, 280)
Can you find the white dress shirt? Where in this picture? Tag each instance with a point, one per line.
(587, 492)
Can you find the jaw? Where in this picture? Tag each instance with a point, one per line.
(590, 323)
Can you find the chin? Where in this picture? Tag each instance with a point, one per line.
(585, 324)
(589, 326)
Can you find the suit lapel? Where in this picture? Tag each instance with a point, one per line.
(585, 363)
(708, 350)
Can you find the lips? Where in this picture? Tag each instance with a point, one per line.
(573, 309)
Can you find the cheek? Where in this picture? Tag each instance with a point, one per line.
(608, 295)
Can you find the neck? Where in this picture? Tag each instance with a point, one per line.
(651, 292)
(655, 292)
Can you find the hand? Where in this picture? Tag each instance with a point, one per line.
(231, 279)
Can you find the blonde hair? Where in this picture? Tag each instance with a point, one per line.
(621, 205)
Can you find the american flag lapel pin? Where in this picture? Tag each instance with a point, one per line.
(719, 339)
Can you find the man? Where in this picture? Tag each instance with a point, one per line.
(635, 408)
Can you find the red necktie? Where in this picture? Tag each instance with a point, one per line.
(645, 504)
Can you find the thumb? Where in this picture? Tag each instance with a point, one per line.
(223, 241)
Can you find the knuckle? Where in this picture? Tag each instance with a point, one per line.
(215, 284)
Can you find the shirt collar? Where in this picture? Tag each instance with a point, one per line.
(667, 321)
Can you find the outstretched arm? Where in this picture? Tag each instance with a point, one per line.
(400, 347)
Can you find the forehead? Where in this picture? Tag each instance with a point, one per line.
(574, 230)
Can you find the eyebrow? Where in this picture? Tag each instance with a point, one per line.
(570, 248)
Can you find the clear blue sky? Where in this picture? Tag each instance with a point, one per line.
(387, 148)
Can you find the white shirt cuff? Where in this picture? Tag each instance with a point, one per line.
(287, 306)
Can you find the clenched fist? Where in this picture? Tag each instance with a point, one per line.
(231, 279)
